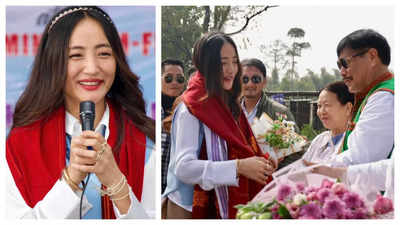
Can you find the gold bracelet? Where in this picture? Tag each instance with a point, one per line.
(112, 190)
(120, 198)
(69, 181)
(118, 190)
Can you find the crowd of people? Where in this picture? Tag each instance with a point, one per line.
(214, 162)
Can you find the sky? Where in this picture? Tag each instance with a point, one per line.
(324, 27)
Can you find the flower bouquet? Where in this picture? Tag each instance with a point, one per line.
(277, 137)
(329, 200)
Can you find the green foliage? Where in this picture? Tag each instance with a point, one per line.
(183, 25)
(284, 212)
(308, 131)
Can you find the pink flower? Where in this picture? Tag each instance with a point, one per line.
(326, 183)
(274, 208)
(300, 186)
(339, 189)
(312, 196)
(334, 209)
(352, 200)
(323, 193)
(284, 192)
(383, 205)
(275, 216)
(310, 190)
(310, 211)
(293, 209)
(359, 213)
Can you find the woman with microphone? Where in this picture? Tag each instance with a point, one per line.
(80, 58)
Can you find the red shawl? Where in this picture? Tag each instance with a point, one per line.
(36, 156)
(240, 142)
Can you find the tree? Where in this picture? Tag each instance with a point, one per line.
(180, 29)
(295, 49)
(183, 25)
(276, 52)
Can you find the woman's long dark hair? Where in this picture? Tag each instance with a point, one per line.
(207, 60)
(45, 90)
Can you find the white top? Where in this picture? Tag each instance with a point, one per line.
(189, 169)
(373, 136)
(376, 175)
(251, 115)
(61, 202)
(322, 149)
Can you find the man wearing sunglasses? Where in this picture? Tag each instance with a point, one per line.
(172, 85)
(364, 57)
(254, 101)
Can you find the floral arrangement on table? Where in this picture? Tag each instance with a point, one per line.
(329, 201)
(278, 135)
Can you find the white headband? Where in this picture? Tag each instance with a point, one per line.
(75, 10)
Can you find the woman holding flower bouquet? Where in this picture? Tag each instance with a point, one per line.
(212, 145)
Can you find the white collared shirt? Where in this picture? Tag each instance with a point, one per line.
(191, 170)
(251, 115)
(373, 136)
(61, 202)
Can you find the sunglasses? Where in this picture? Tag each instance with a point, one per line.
(255, 79)
(179, 79)
(345, 62)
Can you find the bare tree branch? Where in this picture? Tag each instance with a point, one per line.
(248, 18)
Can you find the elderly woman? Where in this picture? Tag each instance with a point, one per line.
(335, 104)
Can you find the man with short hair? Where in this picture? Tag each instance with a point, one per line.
(254, 101)
(172, 85)
(364, 57)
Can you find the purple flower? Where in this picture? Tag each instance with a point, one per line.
(284, 192)
(334, 209)
(275, 216)
(383, 205)
(339, 189)
(311, 189)
(300, 186)
(310, 211)
(359, 213)
(352, 200)
(323, 193)
(326, 183)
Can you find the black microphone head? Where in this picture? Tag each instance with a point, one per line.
(87, 114)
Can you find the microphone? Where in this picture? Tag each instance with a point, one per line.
(87, 114)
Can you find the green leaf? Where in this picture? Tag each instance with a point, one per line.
(284, 212)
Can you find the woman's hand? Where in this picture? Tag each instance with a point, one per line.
(335, 172)
(81, 160)
(100, 161)
(256, 168)
(104, 164)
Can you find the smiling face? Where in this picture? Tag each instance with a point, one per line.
(230, 65)
(173, 80)
(332, 113)
(91, 65)
(251, 89)
(358, 75)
